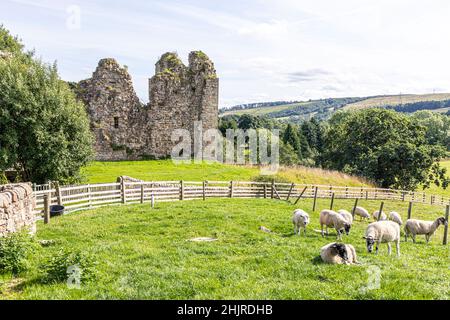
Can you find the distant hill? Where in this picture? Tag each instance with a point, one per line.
(324, 108)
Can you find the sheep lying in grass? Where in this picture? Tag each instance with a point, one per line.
(347, 216)
(363, 213)
(414, 227)
(382, 232)
(376, 213)
(332, 219)
(300, 220)
(395, 216)
(338, 253)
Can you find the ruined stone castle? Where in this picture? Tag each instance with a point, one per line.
(124, 128)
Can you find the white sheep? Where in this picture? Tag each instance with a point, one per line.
(338, 253)
(363, 213)
(300, 220)
(383, 232)
(347, 215)
(376, 213)
(414, 227)
(395, 216)
(332, 219)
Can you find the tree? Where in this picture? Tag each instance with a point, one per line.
(290, 136)
(437, 127)
(382, 145)
(44, 131)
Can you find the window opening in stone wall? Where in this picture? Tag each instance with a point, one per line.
(116, 122)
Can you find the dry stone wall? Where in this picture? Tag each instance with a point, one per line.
(17, 204)
(125, 128)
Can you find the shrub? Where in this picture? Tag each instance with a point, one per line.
(57, 268)
(15, 249)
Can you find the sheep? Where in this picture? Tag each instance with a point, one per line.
(347, 216)
(333, 219)
(414, 227)
(382, 232)
(338, 253)
(300, 220)
(376, 213)
(363, 213)
(395, 216)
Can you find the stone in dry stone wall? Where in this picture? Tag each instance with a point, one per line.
(124, 128)
(17, 204)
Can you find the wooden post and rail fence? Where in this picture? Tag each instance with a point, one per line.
(81, 197)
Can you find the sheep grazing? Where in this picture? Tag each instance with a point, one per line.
(300, 220)
(395, 216)
(347, 216)
(338, 253)
(414, 227)
(332, 219)
(376, 213)
(382, 232)
(363, 213)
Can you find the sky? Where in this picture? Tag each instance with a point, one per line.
(262, 50)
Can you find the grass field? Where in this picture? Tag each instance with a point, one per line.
(397, 100)
(264, 110)
(143, 253)
(103, 172)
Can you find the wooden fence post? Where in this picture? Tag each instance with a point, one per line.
(142, 193)
(204, 190)
(58, 193)
(290, 191)
(181, 190)
(122, 190)
(46, 208)
(354, 207)
(332, 201)
(447, 211)
(153, 200)
(315, 198)
(346, 192)
(89, 196)
(403, 196)
(410, 209)
(231, 189)
(273, 187)
(381, 210)
(301, 194)
(265, 191)
(367, 194)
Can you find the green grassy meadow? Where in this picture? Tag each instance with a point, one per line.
(164, 170)
(143, 253)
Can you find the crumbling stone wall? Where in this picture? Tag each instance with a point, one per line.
(124, 128)
(17, 204)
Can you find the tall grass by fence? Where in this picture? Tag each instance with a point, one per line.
(89, 196)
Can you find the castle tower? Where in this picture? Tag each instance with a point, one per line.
(180, 96)
(113, 108)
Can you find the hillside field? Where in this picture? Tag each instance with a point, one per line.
(307, 109)
(144, 253)
(152, 170)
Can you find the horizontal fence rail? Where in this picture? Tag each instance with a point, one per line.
(80, 197)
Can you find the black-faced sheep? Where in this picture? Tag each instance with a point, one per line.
(395, 216)
(347, 216)
(363, 213)
(338, 253)
(383, 232)
(415, 227)
(376, 213)
(332, 219)
(300, 220)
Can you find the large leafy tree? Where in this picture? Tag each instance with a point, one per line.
(437, 127)
(382, 145)
(44, 130)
